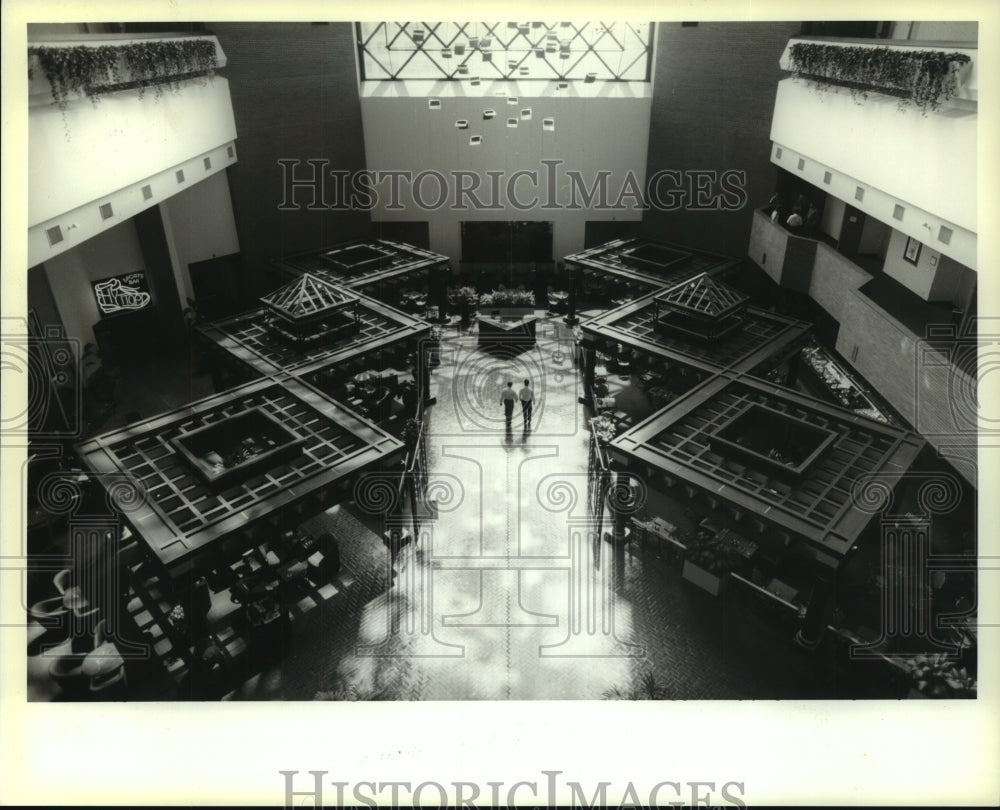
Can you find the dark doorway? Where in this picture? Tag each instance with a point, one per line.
(850, 231)
(219, 286)
(507, 242)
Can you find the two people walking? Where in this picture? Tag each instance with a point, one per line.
(526, 396)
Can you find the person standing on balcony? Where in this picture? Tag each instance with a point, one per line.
(775, 207)
(812, 218)
(527, 397)
(507, 399)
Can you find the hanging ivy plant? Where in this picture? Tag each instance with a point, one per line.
(92, 70)
(924, 78)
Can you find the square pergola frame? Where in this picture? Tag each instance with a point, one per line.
(674, 446)
(187, 524)
(617, 260)
(245, 342)
(403, 261)
(766, 338)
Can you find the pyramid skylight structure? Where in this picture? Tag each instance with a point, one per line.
(309, 310)
(701, 308)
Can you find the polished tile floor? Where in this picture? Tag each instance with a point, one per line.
(507, 594)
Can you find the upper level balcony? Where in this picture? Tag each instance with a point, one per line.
(884, 132)
(118, 123)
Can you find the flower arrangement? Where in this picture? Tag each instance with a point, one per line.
(603, 428)
(502, 297)
(938, 677)
(923, 78)
(411, 432)
(94, 70)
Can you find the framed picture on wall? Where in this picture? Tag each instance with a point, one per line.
(912, 251)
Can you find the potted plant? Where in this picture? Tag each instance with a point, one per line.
(465, 300)
(601, 387)
(411, 432)
(708, 563)
(936, 676)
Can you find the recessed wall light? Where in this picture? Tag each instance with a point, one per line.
(944, 235)
(54, 235)
(778, 153)
(106, 211)
(147, 192)
(859, 194)
(230, 151)
(208, 163)
(180, 175)
(827, 177)
(897, 212)
(802, 164)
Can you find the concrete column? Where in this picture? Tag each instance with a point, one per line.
(573, 273)
(589, 362)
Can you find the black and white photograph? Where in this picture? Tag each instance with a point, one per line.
(660, 403)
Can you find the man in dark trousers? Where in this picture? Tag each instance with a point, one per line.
(527, 397)
(507, 399)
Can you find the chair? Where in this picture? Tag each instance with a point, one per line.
(104, 665)
(51, 614)
(67, 672)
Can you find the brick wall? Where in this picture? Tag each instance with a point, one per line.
(834, 280)
(767, 247)
(294, 93)
(713, 98)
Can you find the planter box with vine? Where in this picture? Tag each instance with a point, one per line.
(504, 303)
(706, 580)
(924, 77)
(67, 71)
(709, 562)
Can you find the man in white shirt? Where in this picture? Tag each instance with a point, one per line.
(507, 399)
(527, 397)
